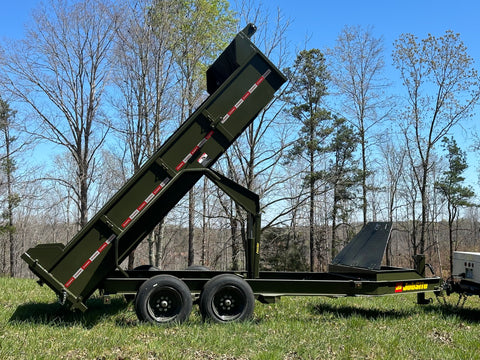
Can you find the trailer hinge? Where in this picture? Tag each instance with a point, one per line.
(111, 225)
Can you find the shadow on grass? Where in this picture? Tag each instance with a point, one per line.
(346, 311)
(467, 314)
(55, 314)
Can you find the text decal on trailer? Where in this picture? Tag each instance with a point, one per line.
(400, 287)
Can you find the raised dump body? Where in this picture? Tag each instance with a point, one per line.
(241, 82)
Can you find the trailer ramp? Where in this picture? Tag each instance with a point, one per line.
(367, 248)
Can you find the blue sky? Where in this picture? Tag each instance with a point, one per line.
(322, 20)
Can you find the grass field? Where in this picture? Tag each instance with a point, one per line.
(34, 326)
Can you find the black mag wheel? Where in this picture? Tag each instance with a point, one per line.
(163, 299)
(227, 298)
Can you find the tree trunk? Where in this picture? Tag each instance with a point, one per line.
(191, 227)
(312, 218)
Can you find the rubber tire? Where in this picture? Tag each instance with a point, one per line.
(160, 290)
(227, 287)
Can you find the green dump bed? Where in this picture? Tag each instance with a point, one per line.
(240, 82)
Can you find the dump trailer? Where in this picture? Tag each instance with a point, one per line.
(240, 83)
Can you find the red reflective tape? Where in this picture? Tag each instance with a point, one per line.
(209, 135)
(142, 205)
(126, 222)
(101, 248)
(247, 94)
(259, 81)
(88, 262)
(69, 282)
(195, 149)
(232, 110)
(157, 189)
(179, 166)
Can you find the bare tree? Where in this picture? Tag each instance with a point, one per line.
(11, 200)
(393, 165)
(60, 71)
(143, 75)
(203, 28)
(441, 90)
(357, 65)
(255, 159)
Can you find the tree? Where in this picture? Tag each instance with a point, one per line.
(342, 174)
(60, 71)
(393, 165)
(357, 65)
(12, 199)
(144, 64)
(255, 159)
(202, 27)
(309, 78)
(451, 188)
(442, 88)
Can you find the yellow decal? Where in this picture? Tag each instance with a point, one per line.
(411, 287)
(415, 287)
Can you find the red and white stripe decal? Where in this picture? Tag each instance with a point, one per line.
(89, 261)
(197, 147)
(194, 150)
(145, 202)
(245, 96)
(224, 119)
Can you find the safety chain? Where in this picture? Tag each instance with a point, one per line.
(446, 287)
(62, 298)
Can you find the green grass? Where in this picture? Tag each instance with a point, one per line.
(34, 326)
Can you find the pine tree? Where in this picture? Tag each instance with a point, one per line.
(309, 79)
(452, 189)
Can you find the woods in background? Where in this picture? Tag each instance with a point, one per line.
(96, 86)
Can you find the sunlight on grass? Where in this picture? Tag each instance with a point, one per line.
(34, 326)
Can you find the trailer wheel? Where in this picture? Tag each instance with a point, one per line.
(227, 298)
(163, 299)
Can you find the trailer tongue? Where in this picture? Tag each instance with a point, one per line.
(241, 82)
